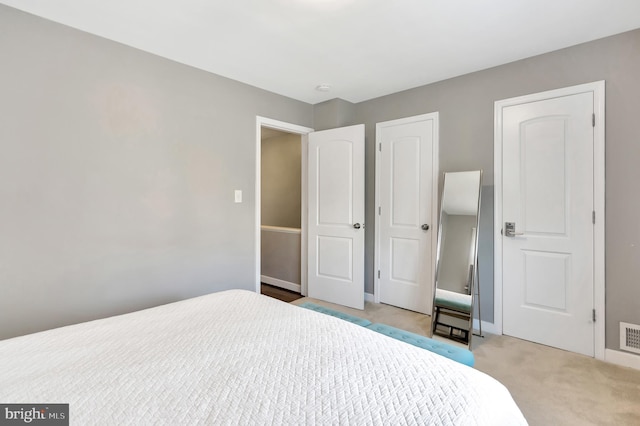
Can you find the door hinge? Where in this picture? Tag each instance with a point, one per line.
(593, 217)
(380, 147)
(378, 273)
(593, 120)
(379, 211)
(593, 315)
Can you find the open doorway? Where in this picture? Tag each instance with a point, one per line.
(281, 214)
(267, 125)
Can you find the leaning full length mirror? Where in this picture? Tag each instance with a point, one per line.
(457, 256)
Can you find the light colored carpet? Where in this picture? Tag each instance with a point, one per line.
(551, 386)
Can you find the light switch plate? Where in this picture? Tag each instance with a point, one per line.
(238, 196)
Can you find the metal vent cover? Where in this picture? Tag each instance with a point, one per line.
(630, 337)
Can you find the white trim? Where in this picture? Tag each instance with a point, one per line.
(599, 242)
(435, 116)
(624, 359)
(304, 208)
(289, 128)
(281, 283)
(497, 217)
(598, 90)
(282, 126)
(368, 297)
(281, 229)
(487, 327)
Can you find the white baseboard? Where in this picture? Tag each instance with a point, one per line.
(487, 327)
(368, 297)
(281, 283)
(624, 359)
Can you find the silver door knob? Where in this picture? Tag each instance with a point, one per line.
(356, 225)
(425, 227)
(510, 230)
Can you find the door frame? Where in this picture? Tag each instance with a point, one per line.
(598, 90)
(434, 198)
(303, 132)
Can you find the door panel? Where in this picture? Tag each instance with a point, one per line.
(405, 204)
(545, 280)
(548, 282)
(543, 143)
(405, 181)
(336, 205)
(405, 260)
(335, 258)
(335, 169)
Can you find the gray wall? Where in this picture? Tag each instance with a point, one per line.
(117, 176)
(118, 168)
(333, 113)
(281, 181)
(466, 142)
(280, 257)
(485, 257)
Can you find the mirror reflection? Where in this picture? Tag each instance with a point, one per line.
(456, 269)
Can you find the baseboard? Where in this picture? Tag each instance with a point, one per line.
(487, 327)
(281, 283)
(368, 297)
(624, 359)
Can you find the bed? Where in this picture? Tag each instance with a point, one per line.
(236, 357)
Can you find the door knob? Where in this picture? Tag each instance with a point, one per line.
(510, 230)
(425, 227)
(356, 225)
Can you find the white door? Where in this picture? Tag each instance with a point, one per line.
(336, 216)
(406, 225)
(548, 194)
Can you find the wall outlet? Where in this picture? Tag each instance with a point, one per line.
(238, 196)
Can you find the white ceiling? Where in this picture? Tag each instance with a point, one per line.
(362, 48)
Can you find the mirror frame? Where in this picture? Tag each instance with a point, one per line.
(474, 274)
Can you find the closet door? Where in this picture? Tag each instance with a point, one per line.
(547, 211)
(406, 207)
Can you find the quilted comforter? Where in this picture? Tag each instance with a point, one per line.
(236, 357)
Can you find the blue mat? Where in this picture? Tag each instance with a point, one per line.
(463, 356)
(359, 321)
(455, 353)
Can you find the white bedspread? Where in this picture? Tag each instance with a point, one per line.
(236, 357)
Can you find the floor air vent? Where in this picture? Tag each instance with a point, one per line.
(630, 337)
